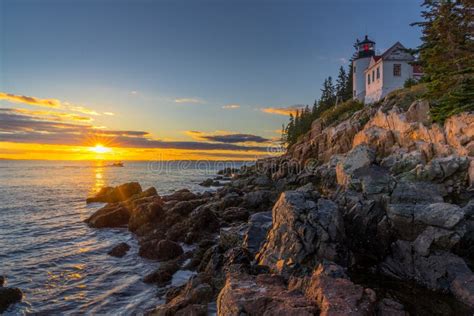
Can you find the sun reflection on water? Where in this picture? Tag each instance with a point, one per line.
(99, 177)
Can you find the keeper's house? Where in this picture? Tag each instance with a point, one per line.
(376, 76)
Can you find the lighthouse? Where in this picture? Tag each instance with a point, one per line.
(364, 51)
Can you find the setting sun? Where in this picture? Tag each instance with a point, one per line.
(100, 149)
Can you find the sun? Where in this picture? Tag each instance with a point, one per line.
(99, 149)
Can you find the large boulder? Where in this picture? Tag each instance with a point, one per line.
(145, 214)
(258, 226)
(264, 294)
(180, 195)
(359, 157)
(119, 250)
(116, 194)
(304, 232)
(162, 250)
(9, 296)
(111, 215)
(335, 294)
(163, 274)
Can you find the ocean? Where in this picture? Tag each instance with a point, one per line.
(61, 264)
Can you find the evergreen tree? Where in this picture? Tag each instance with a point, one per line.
(341, 83)
(347, 94)
(447, 56)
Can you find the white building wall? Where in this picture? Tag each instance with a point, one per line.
(358, 81)
(388, 82)
(373, 91)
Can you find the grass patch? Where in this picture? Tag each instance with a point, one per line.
(341, 112)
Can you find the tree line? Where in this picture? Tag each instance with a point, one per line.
(447, 56)
(331, 93)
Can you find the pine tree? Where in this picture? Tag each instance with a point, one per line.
(347, 95)
(341, 83)
(447, 56)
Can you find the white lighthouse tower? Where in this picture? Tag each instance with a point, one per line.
(365, 51)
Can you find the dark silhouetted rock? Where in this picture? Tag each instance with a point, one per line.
(163, 274)
(111, 215)
(9, 296)
(258, 226)
(162, 250)
(264, 294)
(119, 193)
(119, 250)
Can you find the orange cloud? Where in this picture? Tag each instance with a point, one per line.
(50, 103)
(283, 111)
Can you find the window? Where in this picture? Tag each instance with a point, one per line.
(397, 70)
(368, 78)
(354, 69)
(378, 72)
(355, 94)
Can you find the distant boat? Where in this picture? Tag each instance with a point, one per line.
(116, 164)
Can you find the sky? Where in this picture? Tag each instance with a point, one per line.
(195, 79)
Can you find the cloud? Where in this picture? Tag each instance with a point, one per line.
(26, 128)
(227, 137)
(50, 103)
(231, 106)
(188, 100)
(52, 115)
(283, 111)
(109, 113)
(235, 138)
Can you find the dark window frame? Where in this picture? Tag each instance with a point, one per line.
(397, 70)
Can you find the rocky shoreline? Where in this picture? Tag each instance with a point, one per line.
(384, 192)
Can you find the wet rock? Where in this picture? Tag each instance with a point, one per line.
(193, 310)
(119, 250)
(210, 183)
(197, 292)
(116, 194)
(145, 214)
(227, 172)
(9, 296)
(261, 200)
(262, 181)
(232, 236)
(260, 295)
(203, 219)
(389, 307)
(333, 292)
(258, 226)
(234, 214)
(180, 195)
(435, 269)
(183, 208)
(163, 274)
(111, 215)
(161, 250)
(303, 232)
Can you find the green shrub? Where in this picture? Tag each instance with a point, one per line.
(341, 112)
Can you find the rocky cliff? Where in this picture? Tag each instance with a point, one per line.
(382, 195)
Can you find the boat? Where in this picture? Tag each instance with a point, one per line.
(116, 164)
